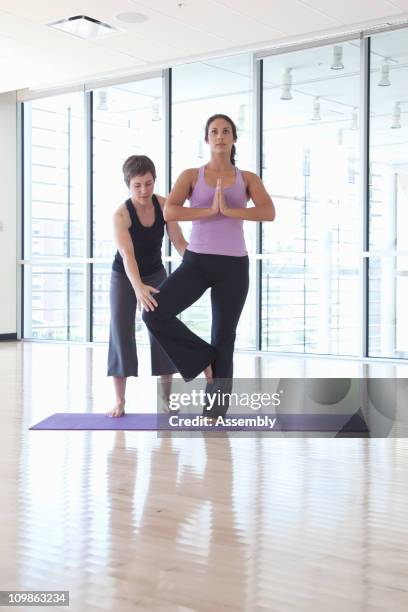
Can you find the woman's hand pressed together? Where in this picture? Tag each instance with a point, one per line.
(144, 297)
(224, 209)
(215, 206)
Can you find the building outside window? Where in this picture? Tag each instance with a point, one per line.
(54, 217)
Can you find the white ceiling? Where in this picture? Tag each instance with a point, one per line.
(32, 55)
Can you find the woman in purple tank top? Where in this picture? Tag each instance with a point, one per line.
(216, 258)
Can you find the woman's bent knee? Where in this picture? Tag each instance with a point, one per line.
(148, 316)
(153, 318)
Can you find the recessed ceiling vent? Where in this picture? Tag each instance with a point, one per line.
(83, 26)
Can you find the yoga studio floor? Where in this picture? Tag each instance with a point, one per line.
(126, 521)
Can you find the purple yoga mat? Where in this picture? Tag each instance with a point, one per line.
(91, 420)
(160, 422)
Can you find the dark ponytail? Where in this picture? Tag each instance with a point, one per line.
(233, 151)
(233, 127)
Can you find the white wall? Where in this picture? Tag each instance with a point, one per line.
(8, 213)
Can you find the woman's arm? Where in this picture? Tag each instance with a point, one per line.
(174, 209)
(125, 247)
(174, 231)
(263, 210)
(176, 236)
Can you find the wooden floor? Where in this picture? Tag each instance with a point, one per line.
(126, 521)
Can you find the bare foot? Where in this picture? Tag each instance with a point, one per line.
(167, 410)
(211, 421)
(164, 404)
(209, 374)
(118, 411)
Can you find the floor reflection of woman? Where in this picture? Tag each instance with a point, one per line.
(176, 542)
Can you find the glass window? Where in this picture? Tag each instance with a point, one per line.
(54, 216)
(200, 90)
(311, 259)
(54, 302)
(310, 268)
(388, 196)
(54, 194)
(127, 120)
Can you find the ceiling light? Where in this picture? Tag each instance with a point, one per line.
(316, 109)
(102, 99)
(306, 161)
(354, 119)
(286, 84)
(396, 116)
(340, 137)
(337, 58)
(241, 123)
(264, 156)
(385, 75)
(156, 114)
(83, 26)
(351, 169)
(131, 17)
(200, 151)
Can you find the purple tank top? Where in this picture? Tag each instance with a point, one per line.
(218, 235)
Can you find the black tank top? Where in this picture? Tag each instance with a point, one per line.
(147, 241)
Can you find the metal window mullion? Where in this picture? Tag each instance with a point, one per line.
(167, 94)
(365, 183)
(27, 220)
(258, 139)
(88, 247)
(20, 220)
(68, 251)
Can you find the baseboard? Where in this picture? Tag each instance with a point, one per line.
(7, 337)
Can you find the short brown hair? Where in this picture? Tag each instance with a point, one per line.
(137, 165)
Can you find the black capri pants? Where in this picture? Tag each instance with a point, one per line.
(228, 278)
(122, 355)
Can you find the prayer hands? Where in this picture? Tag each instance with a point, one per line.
(222, 203)
(219, 204)
(215, 206)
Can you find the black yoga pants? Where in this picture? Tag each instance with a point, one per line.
(228, 278)
(122, 355)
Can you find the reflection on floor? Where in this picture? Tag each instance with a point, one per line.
(127, 521)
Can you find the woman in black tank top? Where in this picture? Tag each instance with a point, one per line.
(137, 271)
